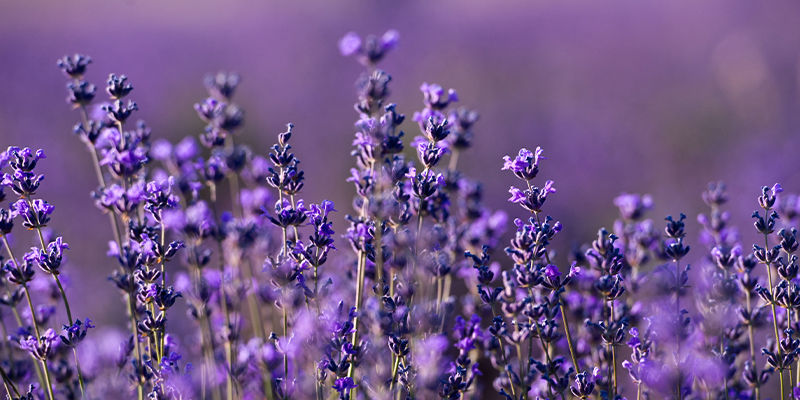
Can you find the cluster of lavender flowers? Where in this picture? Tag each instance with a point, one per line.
(417, 297)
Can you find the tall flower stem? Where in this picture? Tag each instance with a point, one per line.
(678, 393)
(67, 308)
(560, 306)
(566, 332)
(101, 180)
(505, 362)
(135, 332)
(613, 351)
(8, 383)
(751, 340)
(774, 314)
(36, 329)
(223, 302)
(362, 261)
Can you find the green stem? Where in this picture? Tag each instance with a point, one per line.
(774, 314)
(569, 337)
(67, 308)
(613, 351)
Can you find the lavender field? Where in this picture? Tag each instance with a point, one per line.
(399, 200)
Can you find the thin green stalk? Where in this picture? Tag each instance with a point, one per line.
(66, 306)
(679, 393)
(613, 351)
(561, 307)
(362, 260)
(48, 380)
(395, 365)
(774, 314)
(224, 303)
(135, 332)
(99, 172)
(569, 337)
(505, 361)
(285, 355)
(520, 362)
(8, 383)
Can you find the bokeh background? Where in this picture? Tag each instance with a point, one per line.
(636, 96)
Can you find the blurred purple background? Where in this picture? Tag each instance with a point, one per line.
(650, 97)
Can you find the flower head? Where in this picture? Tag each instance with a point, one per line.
(74, 66)
(371, 49)
(49, 260)
(525, 165)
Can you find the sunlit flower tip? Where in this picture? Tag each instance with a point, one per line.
(435, 96)
(551, 271)
(349, 44)
(517, 196)
(549, 187)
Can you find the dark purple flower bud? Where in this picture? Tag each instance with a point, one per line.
(769, 196)
(35, 214)
(584, 385)
(118, 111)
(766, 256)
(210, 109)
(23, 159)
(23, 183)
(42, 348)
(12, 297)
(80, 93)
(166, 297)
(787, 269)
(715, 195)
(373, 89)
(214, 169)
(19, 274)
(222, 84)
(343, 386)
(89, 133)
(725, 257)
(765, 226)
(429, 152)
(287, 215)
(462, 119)
(150, 323)
(232, 117)
(118, 86)
(752, 377)
(610, 286)
(426, 183)
(532, 199)
(789, 242)
(75, 333)
(675, 229)
(675, 249)
(160, 197)
(6, 221)
(74, 66)
(49, 261)
(435, 129)
(553, 278)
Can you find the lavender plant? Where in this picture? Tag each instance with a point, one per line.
(411, 299)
